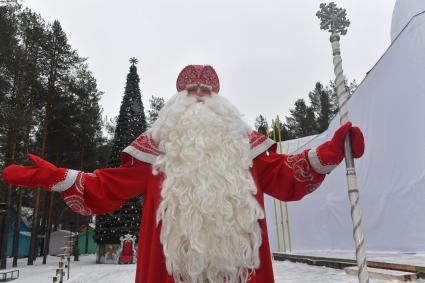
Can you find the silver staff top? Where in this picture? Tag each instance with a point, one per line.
(333, 19)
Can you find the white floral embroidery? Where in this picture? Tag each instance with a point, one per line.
(76, 203)
(300, 167)
(76, 200)
(79, 184)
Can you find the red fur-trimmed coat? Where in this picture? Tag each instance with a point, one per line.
(285, 177)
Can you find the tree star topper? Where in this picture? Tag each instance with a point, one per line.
(333, 18)
(134, 60)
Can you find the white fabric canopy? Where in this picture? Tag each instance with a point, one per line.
(403, 11)
(389, 106)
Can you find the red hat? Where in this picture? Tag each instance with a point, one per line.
(198, 75)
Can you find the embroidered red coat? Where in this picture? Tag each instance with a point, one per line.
(287, 178)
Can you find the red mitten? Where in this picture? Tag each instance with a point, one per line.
(328, 155)
(42, 174)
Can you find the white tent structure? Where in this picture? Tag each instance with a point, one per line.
(404, 11)
(389, 106)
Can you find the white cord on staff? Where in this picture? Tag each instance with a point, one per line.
(353, 192)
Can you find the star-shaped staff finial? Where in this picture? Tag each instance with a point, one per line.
(333, 18)
(134, 61)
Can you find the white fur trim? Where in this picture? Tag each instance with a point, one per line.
(317, 166)
(70, 177)
(265, 145)
(140, 155)
(150, 158)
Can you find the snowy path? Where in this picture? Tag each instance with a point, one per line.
(87, 271)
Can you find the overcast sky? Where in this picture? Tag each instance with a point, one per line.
(267, 53)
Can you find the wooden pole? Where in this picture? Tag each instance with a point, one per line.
(34, 228)
(50, 205)
(288, 227)
(283, 226)
(4, 231)
(274, 205)
(3, 248)
(16, 236)
(276, 127)
(86, 248)
(44, 222)
(35, 222)
(77, 233)
(77, 220)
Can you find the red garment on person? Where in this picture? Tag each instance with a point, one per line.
(288, 178)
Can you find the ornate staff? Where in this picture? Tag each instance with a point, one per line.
(334, 19)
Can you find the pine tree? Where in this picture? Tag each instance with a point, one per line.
(48, 97)
(8, 45)
(331, 88)
(302, 121)
(322, 106)
(131, 120)
(285, 134)
(261, 125)
(156, 104)
(21, 67)
(325, 114)
(131, 123)
(73, 136)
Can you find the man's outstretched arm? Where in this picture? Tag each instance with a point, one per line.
(291, 177)
(99, 192)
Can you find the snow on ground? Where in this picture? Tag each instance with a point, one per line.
(87, 271)
(84, 271)
(289, 272)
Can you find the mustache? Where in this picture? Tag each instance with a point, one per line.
(193, 99)
(200, 99)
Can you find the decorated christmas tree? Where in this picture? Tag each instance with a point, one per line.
(131, 123)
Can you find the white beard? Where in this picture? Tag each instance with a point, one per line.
(209, 215)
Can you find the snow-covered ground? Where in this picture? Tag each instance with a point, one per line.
(87, 271)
